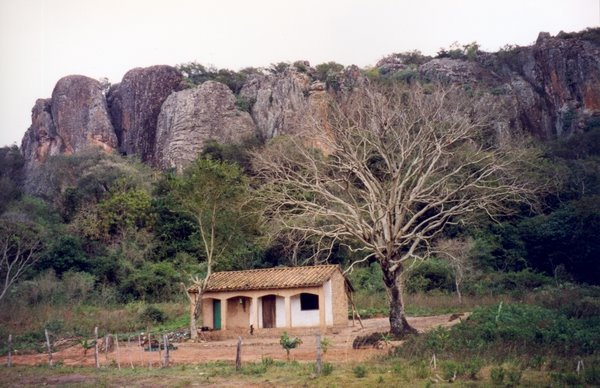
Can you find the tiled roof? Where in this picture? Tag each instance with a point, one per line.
(271, 278)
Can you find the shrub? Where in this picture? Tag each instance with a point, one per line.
(360, 371)
(289, 343)
(429, 275)
(326, 369)
(506, 331)
(152, 314)
(497, 375)
(244, 104)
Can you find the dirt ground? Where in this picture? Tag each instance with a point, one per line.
(254, 348)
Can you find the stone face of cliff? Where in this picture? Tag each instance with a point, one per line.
(280, 101)
(191, 117)
(135, 105)
(550, 89)
(75, 118)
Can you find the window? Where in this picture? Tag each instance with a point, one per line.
(309, 302)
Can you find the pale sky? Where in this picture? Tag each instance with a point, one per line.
(44, 40)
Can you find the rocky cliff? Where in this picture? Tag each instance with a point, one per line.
(135, 105)
(76, 117)
(550, 89)
(190, 117)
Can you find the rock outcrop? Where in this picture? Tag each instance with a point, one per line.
(135, 105)
(550, 89)
(75, 118)
(191, 117)
(280, 101)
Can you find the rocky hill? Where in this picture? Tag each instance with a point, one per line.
(550, 89)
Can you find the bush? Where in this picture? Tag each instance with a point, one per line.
(152, 314)
(360, 371)
(433, 274)
(506, 331)
(244, 104)
(497, 375)
(326, 369)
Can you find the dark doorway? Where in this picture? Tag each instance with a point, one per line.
(268, 311)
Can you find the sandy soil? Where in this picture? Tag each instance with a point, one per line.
(219, 347)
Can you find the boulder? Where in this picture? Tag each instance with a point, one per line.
(75, 118)
(135, 105)
(80, 115)
(280, 101)
(191, 117)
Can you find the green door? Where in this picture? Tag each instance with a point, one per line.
(216, 314)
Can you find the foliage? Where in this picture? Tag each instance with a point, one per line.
(288, 343)
(66, 253)
(566, 238)
(151, 282)
(456, 51)
(510, 330)
(330, 73)
(245, 104)
(124, 209)
(154, 315)
(215, 195)
(590, 33)
(195, 74)
(278, 68)
(21, 242)
(429, 275)
(11, 175)
(359, 371)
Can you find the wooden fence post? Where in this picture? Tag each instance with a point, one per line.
(160, 357)
(97, 361)
(166, 344)
(9, 360)
(118, 351)
(142, 349)
(129, 350)
(319, 364)
(49, 347)
(238, 355)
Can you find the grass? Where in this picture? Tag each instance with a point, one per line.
(373, 304)
(79, 321)
(370, 373)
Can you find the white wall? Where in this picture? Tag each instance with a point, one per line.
(328, 303)
(303, 318)
(280, 312)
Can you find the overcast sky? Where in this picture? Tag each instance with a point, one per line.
(44, 40)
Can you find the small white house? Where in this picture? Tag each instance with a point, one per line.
(281, 297)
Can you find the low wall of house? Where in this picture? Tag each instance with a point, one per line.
(238, 312)
(303, 318)
(332, 298)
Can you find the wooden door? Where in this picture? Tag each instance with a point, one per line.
(268, 311)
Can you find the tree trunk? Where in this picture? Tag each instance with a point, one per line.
(193, 312)
(398, 324)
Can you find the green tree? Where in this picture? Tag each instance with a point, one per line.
(216, 196)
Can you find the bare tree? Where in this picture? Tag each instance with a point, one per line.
(457, 251)
(21, 242)
(388, 171)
